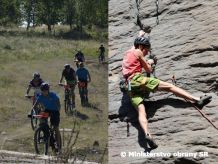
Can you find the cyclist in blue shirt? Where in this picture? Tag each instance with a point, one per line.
(84, 78)
(51, 104)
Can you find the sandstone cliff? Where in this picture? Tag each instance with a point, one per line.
(184, 37)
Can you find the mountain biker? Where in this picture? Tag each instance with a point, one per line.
(83, 79)
(51, 104)
(79, 57)
(133, 63)
(34, 84)
(101, 55)
(70, 78)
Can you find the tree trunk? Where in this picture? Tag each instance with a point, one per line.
(29, 10)
(71, 27)
(49, 27)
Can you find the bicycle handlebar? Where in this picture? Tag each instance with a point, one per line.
(29, 97)
(42, 115)
(66, 86)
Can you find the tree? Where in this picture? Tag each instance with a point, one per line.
(69, 12)
(28, 12)
(9, 12)
(101, 13)
(48, 12)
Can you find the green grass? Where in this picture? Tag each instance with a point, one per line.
(20, 57)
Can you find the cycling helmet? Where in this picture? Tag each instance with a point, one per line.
(66, 66)
(142, 41)
(44, 87)
(36, 74)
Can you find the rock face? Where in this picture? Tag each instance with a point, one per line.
(186, 44)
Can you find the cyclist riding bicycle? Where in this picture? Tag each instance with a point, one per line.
(101, 55)
(79, 57)
(34, 84)
(70, 78)
(83, 79)
(51, 104)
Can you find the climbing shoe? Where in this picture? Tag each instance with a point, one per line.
(203, 101)
(150, 141)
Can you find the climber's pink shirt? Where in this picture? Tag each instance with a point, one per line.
(131, 63)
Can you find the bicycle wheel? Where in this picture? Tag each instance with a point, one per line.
(34, 120)
(82, 96)
(55, 142)
(41, 140)
(101, 59)
(70, 106)
(67, 102)
(65, 106)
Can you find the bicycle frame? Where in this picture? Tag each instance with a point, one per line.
(67, 91)
(68, 98)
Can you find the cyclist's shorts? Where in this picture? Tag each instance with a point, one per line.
(54, 117)
(82, 84)
(140, 85)
(71, 83)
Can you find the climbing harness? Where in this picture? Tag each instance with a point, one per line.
(199, 110)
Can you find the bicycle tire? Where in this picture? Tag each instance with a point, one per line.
(41, 140)
(65, 106)
(53, 141)
(67, 102)
(70, 107)
(34, 120)
(82, 97)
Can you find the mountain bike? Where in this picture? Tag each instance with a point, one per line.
(34, 111)
(68, 104)
(83, 93)
(101, 58)
(46, 136)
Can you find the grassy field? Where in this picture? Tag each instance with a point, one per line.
(20, 57)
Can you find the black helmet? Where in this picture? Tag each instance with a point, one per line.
(66, 66)
(44, 86)
(142, 41)
(36, 74)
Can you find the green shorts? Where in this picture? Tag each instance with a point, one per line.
(140, 85)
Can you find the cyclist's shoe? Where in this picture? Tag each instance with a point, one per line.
(203, 101)
(150, 141)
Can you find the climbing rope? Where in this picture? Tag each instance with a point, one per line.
(157, 9)
(199, 110)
